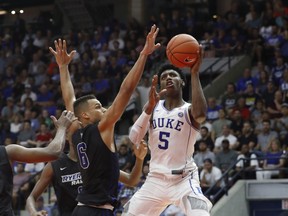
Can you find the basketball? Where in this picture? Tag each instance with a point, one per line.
(182, 50)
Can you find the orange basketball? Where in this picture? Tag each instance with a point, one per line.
(182, 50)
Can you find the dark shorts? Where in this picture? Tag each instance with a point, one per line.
(91, 211)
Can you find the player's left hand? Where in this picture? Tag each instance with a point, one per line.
(141, 150)
(195, 67)
(60, 53)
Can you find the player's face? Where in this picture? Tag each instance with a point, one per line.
(95, 110)
(170, 79)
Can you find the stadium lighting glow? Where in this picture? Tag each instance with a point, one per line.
(13, 12)
(2, 12)
(21, 11)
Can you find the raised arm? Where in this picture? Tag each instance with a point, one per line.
(129, 84)
(63, 59)
(140, 127)
(133, 178)
(199, 106)
(39, 188)
(51, 152)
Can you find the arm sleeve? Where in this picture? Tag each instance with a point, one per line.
(139, 128)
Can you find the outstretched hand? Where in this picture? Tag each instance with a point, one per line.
(150, 45)
(60, 53)
(65, 120)
(154, 96)
(141, 150)
(195, 68)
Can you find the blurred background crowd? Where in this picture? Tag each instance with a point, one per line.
(248, 120)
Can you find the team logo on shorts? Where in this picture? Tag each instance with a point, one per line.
(180, 114)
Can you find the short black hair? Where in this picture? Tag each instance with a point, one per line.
(207, 160)
(78, 104)
(205, 128)
(170, 67)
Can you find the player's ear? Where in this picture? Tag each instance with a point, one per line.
(183, 83)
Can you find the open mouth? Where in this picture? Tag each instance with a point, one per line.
(169, 84)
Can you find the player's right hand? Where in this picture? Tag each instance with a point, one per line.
(65, 120)
(154, 96)
(150, 45)
(141, 150)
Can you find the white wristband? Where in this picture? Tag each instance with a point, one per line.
(139, 128)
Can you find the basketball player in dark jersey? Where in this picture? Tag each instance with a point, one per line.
(65, 177)
(13, 152)
(93, 134)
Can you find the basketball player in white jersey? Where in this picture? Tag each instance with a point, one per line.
(172, 125)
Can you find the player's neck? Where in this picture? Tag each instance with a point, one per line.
(72, 155)
(173, 103)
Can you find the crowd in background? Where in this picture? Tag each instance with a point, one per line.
(249, 120)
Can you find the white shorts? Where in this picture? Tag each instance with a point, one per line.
(159, 191)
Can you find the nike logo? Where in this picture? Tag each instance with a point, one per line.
(189, 60)
(62, 168)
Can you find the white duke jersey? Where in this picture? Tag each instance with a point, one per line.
(171, 139)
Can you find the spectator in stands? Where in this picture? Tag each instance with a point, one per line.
(272, 42)
(246, 79)
(226, 157)
(44, 118)
(284, 86)
(143, 89)
(20, 186)
(229, 99)
(247, 163)
(281, 124)
(204, 136)
(36, 69)
(209, 176)
(261, 71)
(241, 106)
(236, 123)
(278, 70)
(226, 135)
(247, 136)
(257, 111)
(269, 92)
(203, 154)
(284, 46)
(28, 93)
(124, 157)
(217, 125)
(15, 124)
(26, 134)
(274, 108)
(10, 109)
(273, 161)
(265, 136)
(101, 87)
(27, 105)
(255, 45)
(250, 96)
(43, 137)
(45, 98)
(212, 110)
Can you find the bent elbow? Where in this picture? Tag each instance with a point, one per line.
(200, 118)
